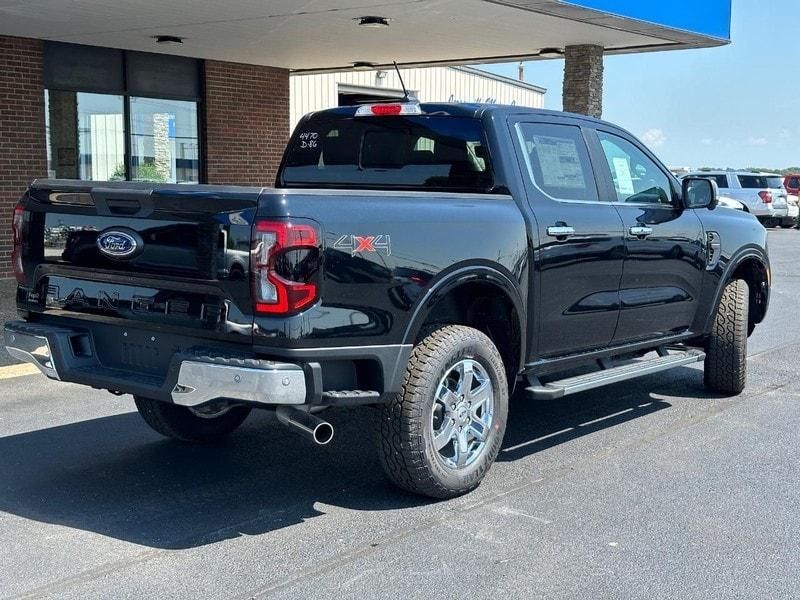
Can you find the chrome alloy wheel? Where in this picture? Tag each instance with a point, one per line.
(462, 414)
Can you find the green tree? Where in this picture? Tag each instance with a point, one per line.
(147, 171)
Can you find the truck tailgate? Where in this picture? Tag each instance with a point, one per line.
(163, 256)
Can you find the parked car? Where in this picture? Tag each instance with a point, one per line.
(421, 259)
(763, 194)
(792, 184)
(793, 212)
(726, 202)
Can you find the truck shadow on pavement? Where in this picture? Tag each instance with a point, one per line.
(114, 477)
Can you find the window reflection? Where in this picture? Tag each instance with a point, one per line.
(164, 141)
(85, 135)
(86, 138)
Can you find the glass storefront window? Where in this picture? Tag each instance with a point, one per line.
(164, 141)
(85, 135)
(86, 138)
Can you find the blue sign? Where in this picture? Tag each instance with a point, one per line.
(705, 17)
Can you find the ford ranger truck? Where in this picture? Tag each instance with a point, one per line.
(424, 259)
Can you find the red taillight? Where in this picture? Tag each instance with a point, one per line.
(17, 222)
(276, 292)
(766, 197)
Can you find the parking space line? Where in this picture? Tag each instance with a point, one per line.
(22, 370)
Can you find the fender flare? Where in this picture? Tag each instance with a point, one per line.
(459, 277)
(730, 268)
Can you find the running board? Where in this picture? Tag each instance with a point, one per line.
(581, 383)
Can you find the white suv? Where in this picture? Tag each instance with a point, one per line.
(762, 193)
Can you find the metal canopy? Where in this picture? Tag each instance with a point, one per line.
(317, 35)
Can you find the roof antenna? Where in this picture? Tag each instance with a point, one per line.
(407, 96)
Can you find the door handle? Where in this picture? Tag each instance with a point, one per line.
(560, 231)
(641, 231)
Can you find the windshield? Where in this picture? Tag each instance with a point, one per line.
(753, 182)
(411, 153)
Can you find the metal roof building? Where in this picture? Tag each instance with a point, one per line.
(312, 92)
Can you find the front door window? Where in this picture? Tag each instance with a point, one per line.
(637, 179)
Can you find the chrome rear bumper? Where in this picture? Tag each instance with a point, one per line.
(31, 348)
(270, 383)
(192, 380)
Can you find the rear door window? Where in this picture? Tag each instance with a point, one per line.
(557, 160)
(403, 152)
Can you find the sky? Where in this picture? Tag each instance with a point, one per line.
(736, 106)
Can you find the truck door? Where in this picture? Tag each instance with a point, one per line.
(664, 243)
(578, 259)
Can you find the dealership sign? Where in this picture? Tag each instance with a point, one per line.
(705, 17)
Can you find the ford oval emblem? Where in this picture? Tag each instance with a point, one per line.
(118, 244)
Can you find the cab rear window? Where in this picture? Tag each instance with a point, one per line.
(396, 152)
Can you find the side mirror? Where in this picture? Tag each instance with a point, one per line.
(700, 192)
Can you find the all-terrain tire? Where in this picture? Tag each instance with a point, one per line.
(726, 349)
(405, 435)
(180, 423)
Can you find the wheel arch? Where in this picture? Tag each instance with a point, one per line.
(471, 296)
(753, 267)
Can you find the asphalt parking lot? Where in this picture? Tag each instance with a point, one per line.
(641, 490)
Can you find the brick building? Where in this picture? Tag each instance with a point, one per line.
(191, 91)
(84, 112)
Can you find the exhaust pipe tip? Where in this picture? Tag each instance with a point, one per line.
(306, 424)
(323, 433)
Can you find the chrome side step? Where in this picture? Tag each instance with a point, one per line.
(607, 376)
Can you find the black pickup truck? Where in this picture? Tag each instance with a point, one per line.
(423, 259)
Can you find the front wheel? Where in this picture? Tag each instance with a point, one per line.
(186, 424)
(442, 433)
(726, 349)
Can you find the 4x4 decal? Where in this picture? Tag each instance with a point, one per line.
(356, 244)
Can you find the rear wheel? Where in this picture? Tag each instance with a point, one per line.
(442, 433)
(726, 349)
(191, 424)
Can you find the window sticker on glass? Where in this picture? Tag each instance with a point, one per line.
(622, 176)
(560, 162)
